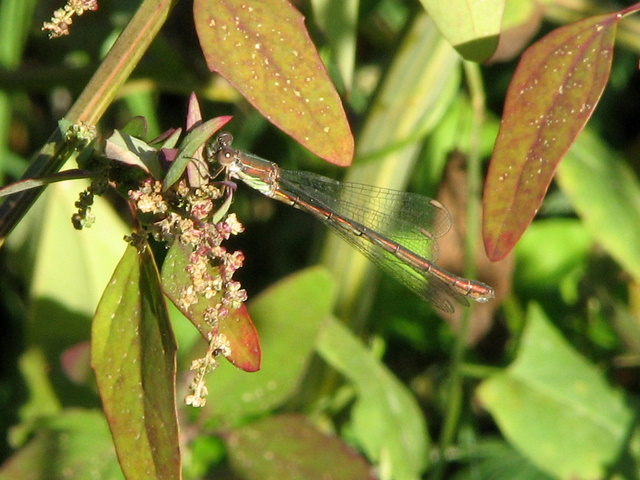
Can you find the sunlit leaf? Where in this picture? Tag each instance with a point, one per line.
(133, 355)
(554, 91)
(567, 246)
(133, 151)
(237, 327)
(566, 419)
(263, 50)
(136, 127)
(289, 446)
(387, 421)
(472, 27)
(71, 268)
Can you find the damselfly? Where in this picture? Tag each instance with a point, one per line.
(396, 230)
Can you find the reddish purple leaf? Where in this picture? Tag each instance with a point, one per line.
(552, 95)
(289, 446)
(263, 50)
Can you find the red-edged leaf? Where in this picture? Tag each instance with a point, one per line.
(263, 50)
(554, 91)
(133, 353)
(289, 446)
(241, 333)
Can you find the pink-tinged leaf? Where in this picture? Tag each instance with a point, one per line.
(197, 169)
(552, 95)
(263, 49)
(244, 344)
(133, 353)
(289, 446)
(76, 363)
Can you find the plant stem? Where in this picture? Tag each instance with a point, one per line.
(91, 104)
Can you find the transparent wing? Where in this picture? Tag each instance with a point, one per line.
(414, 221)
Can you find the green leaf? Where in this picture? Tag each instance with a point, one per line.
(133, 355)
(73, 444)
(472, 27)
(194, 140)
(553, 93)
(496, 460)
(238, 328)
(338, 20)
(289, 446)
(567, 246)
(288, 317)
(264, 51)
(387, 421)
(606, 193)
(42, 400)
(136, 127)
(556, 408)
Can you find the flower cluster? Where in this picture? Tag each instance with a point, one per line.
(189, 216)
(218, 345)
(149, 197)
(63, 17)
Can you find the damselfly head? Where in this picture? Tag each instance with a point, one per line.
(220, 150)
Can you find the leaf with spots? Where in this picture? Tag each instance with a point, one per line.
(263, 49)
(552, 95)
(237, 327)
(133, 353)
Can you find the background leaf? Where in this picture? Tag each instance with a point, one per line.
(606, 193)
(386, 419)
(263, 50)
(472, 27)
(289, 446)
(567, 420)
(68, 269)
(551, 96)
(338, 19)
(288, 316)
(73, 444)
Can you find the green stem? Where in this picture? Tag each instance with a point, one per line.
(456, 386)
(92, 102)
